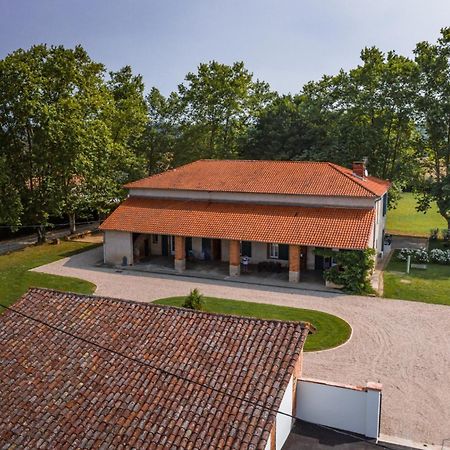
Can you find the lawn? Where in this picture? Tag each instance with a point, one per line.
(331, 330)
(15, 277)
(407, 221)
(429, 286)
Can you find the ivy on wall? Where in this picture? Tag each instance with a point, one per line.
(352, 269)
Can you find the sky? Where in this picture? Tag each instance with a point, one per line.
(284, 42)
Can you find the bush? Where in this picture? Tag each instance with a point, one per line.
(352, 270)
(194, 300)
(445, 234)
(439, 256)
(434, 234)
(417, 255)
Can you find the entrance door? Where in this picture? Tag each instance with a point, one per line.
(146, 248)
(206, 248)
(303, 253)
(216, 250)
(164, 245)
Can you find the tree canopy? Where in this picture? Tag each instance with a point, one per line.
(71, 133)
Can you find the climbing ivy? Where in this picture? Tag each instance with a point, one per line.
(352, 270)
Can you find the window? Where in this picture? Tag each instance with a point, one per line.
(154, 238)
(246, 248)
(273, 251)
(172, 245)
(385, 202)
(283, 252)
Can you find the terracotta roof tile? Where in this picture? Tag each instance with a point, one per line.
(266, 177)
(343, 228)
(60, 392)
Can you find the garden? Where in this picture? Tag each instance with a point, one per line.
(428, 279)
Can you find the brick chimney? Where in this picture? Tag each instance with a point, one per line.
(359, 169)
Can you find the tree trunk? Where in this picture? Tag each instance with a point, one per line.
(40, 234)
(72, 223)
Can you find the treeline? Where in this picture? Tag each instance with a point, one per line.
(72, 133)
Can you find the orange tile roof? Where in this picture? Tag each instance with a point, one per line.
(267, 177)
(61, 392)
(321, 227)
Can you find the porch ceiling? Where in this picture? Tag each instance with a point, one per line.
(319, 227)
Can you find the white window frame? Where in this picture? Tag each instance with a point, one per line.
(274, 252)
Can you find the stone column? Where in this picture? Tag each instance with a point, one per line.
(294, 263)
(180, 254)
(235, 258)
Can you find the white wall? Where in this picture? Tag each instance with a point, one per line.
(116, 245)
(284, 423)
(343, 407)
(225, 250)
(275, 199)
(155, 249)
(197, 246)
(310, 258)
(259, 254)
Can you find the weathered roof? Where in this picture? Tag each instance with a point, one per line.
(345, 228)
(266, 177)
(59, 391)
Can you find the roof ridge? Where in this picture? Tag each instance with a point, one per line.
(162, 173)
(338, 168)
(37, 289)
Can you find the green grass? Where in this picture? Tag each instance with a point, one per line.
(331, 330)
(407, 221)
(429, 286)
(15, 277)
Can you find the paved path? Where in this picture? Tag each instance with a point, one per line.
(404, 345)
(11, 245)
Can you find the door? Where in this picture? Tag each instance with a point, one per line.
(146, 248)
(206, 249)
(303, 254)
(188, 246)
(216, 250)
(164, 245)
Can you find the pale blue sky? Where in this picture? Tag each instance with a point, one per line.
(285, 43)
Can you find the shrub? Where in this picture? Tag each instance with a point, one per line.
(439, 256)
(352, 270)
(194, 300)
(445, 234)
(434, 234)
(417, 255)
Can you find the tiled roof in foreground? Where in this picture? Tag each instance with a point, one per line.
(60, 392)
(343, 228)
(266, 177)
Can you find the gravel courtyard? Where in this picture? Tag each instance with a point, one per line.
(404, 345)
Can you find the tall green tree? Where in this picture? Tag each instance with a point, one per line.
(209, 114)
(56, 137)
(433, 108)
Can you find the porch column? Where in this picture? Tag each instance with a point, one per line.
(294, 263)
(180, 257)
(235, 258)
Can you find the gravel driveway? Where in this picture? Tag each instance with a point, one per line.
(404, 345)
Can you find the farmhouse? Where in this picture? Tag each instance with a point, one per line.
(266, 211)
(94, 372)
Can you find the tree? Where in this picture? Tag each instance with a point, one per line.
(209, 114)
(56, 135)
(433, 107)
(289, 129)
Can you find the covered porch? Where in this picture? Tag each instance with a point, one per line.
(250, 260)
(235, 239)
